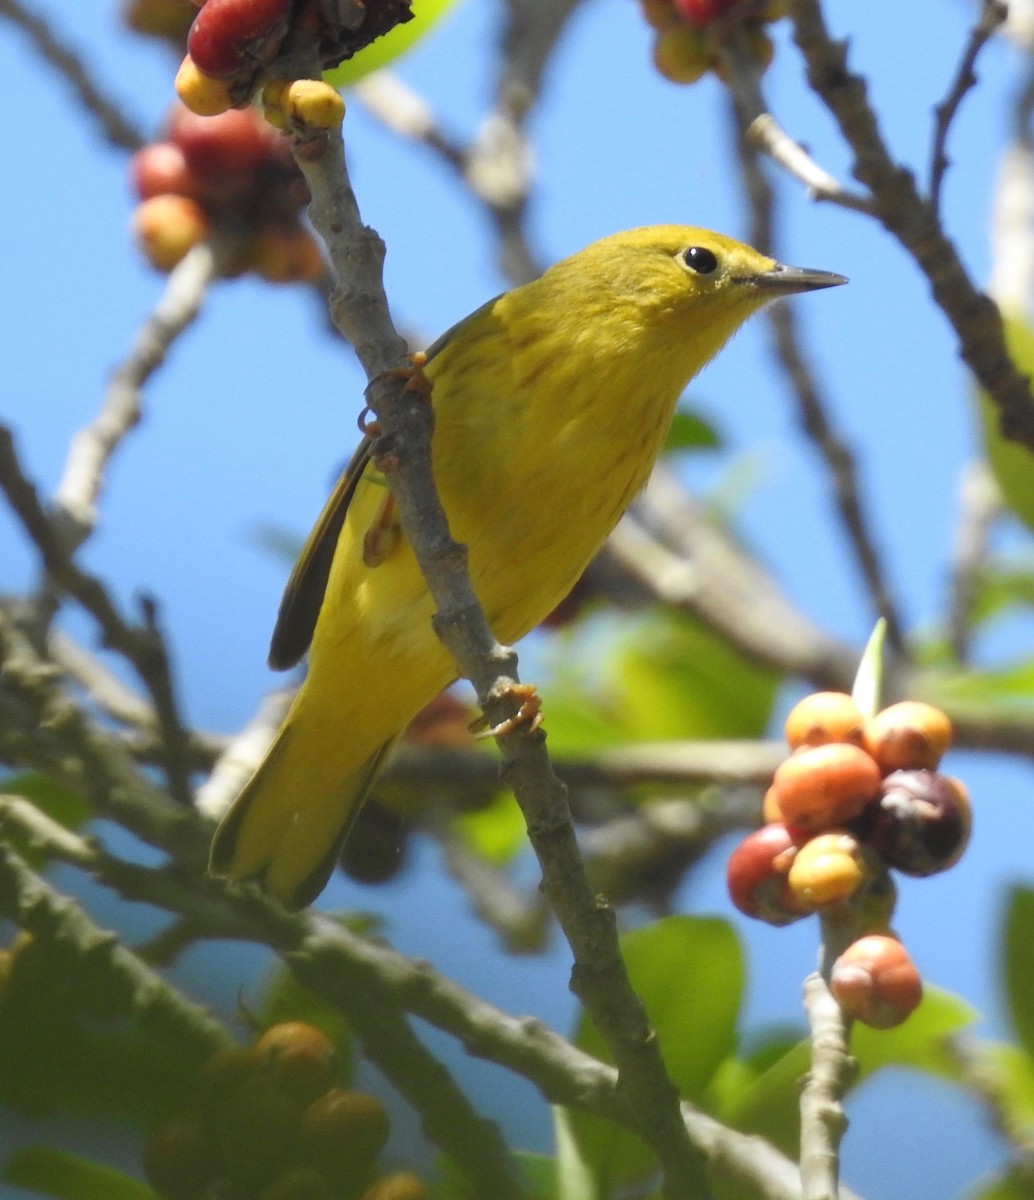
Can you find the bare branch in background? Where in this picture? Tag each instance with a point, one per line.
(911, 219)
(66, 60)
(75, 501)
(980, 504)
(813, 407)
(992, 16)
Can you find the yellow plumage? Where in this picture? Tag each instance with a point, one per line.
(551, 404)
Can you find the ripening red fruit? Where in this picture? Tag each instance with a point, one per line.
(702, 12)
(876, 982)
(228, 35)
(824, 717)
(222, 150)
(756, 876)
(908, 735)
(822, 787)
(922, 823)
(161, 169)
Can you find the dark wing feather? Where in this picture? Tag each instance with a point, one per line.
(303, 596)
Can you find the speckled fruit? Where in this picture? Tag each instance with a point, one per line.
(922, 823)
(828, 869)
(908, 735)
(823, 787)
(824, 717)
(876, 982)
(756, 876)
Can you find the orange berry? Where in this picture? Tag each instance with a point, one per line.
(876, 982)
(824, 717)
(909, 735)
(300, 1057)
(343, 1133)
(827, 869)
(821, 787)
(167, 227)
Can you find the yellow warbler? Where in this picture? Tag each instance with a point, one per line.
(551, 404)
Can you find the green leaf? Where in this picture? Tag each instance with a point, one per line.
(868, 681)
(769, 1106)
(689, 973)
(1009, 1185)
(1011, 464)
(1005, 1075)
(496, 831)
(689, 431)
(386, 49)
(1018, 963)
(66, 807)
(921, 1043)
(67, 1177)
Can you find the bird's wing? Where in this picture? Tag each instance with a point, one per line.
(303, 596)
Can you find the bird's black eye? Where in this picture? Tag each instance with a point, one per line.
(700, 259)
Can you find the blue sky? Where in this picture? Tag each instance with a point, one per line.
(255, 410)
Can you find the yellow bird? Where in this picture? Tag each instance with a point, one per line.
(551, 404)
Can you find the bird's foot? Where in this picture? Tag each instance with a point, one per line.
(529, 713)
(416, 384)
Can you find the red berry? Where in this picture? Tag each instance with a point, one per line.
(701, 12)
(228, 35)
(756, 876)
(222, 150)
(161, 169)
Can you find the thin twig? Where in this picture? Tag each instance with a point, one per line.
(823, 1122)
(53, 917)
(905, 214)
(992, 15)
(75, 501)
(765, 133)
(143, 645)
(813, 409)
(67, 61)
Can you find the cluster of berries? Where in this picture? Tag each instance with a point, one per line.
(856, 796)
(231, 43)
(684, 47)
(230, 175)
(268, 1123)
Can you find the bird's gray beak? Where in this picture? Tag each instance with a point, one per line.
(784, 281)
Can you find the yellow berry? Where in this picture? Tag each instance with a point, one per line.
(286, 254)
(202, 94)
(827, 870)
(168, 227)
(315, 104)
(681, 55)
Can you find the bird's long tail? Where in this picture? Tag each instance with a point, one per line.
(287, 826)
